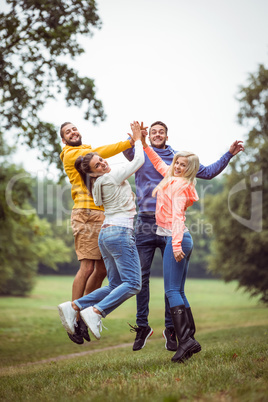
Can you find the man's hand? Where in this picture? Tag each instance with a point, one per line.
(178, 255)
(236, 147)
(143, 128)
(144, 133)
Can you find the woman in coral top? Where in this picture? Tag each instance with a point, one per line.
(175, 193)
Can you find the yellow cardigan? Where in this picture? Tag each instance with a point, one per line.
(69, 155)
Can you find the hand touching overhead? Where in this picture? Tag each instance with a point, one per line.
(144, 133)
(136, 130)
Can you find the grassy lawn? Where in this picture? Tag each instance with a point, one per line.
(231, 327)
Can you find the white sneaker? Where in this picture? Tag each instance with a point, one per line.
(68, 316)
(92, 321)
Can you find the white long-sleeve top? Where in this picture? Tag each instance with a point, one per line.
(113, 191)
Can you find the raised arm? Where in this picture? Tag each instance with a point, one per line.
(129, 153)
(158, 163)
(106, 151)
(128, 168)
(213, 170)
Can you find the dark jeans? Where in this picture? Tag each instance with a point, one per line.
(147, 241)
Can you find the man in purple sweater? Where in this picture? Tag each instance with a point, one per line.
(146, 179)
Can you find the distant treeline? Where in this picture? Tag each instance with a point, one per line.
(53, 202)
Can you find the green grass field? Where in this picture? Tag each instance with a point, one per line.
(39, 362)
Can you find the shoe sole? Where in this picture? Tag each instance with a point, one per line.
(188, 354)
(196, 349)
(84, 331)
(93, 333)
(73, 338)
(64, 322)
(150, 333)
(171, 350)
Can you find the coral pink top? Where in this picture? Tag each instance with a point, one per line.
(172, 200)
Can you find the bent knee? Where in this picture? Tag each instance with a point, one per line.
(137, 288)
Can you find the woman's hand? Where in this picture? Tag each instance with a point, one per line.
(136, 130)
(178, 255)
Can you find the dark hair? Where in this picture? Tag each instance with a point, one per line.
(160, 123)
(82, 165)
(61, 127)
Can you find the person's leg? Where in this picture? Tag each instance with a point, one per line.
(174, 281)
(126, 280)
(187, 244)
(169, 332)
(79, 285)
(121, 258)
(175, 272)
(112, 274)
(96, 278)
(81, 278)
(86, 225)
(146, 241)
(184, 276)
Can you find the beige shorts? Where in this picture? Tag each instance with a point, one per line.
(86, 226)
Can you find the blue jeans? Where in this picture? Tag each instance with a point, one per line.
(121, 258)
(175, 273)
(147, 241)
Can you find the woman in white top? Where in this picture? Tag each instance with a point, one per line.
(110, 188)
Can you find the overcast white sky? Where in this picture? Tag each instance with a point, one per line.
(172, 60)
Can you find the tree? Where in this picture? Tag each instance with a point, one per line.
(37, 40)
(239, 213)
(25, 240)
(53, 202)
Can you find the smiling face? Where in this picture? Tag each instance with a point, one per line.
(98, 166)
(158, 136)
(180, 166)
(71, 135)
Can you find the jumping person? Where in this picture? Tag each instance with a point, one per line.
(110, 188)
(86, 218)
(175, 193)
(146, 179)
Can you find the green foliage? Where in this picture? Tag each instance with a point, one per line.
(37, 40)
(53, 202)
(25, 240)
(241, 231)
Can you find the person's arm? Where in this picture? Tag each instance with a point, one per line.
(178, 207)
(213, 170)
(124, 171)
(129, 153)
(158, 163)
(106, 151)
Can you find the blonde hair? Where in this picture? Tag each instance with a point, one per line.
(189, 174)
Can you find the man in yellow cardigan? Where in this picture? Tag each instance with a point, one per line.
(86, 218)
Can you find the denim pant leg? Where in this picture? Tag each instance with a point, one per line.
(117, 245)
(99, 294)
(93, 297)
(175, 273)
(168, 318)
(145, 229)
